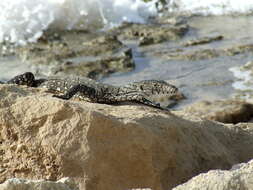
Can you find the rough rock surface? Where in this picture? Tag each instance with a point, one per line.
(78, 53)
(238, 178)
(109, 147)
(151, 33)
(22, 184)
(226, 111)
(193, 54)
(98, 68)
(204, 40)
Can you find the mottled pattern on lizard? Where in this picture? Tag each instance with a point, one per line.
(102, 93)
(155, 89)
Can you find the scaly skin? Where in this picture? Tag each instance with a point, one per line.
(99, 92)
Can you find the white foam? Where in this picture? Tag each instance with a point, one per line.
(244, 77)
(24, 21)
(211, 7)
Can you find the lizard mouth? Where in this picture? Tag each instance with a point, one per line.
(178, 96)
(166, 100)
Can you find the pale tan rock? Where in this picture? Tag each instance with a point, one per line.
(226, 111)
(22, 184)
(110, 147)
(238, 178)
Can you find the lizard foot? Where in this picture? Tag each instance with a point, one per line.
(61, 97)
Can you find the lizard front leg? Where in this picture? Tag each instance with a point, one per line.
(133, 97)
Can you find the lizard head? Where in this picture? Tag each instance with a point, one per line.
(173, 92)
(162, 92)
(23, 79)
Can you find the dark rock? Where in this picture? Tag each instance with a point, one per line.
(151, 34)
(98, 68)
(204, 40)
(225, 111)
(201, 54)
(76, 55)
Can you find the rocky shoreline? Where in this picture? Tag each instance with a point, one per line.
(109, 147)
(47, 143)
(91, 54)
(182, 51)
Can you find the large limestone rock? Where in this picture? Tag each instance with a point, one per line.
(22, 184)
(110, 147)
(238, 178)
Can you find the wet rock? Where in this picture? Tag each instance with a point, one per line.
(151, 34)
(174, 20)
(200, 54)
(204, 40)
(196, 55)
(147, 41)
(98, 68)
(226, 111)
(238, 178)
(246, 48)
(248, 66)
(103, 54)
(105, 44)
(23, 184)
(107, 147)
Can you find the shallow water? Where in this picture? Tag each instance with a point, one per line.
(11, 66)
(211, 7)
(24, 21)
(206, 79)
(202, 79)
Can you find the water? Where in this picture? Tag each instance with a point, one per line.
(208, 79)
(10, 66)
(23, 21)
(243, 76)
(211, 7)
